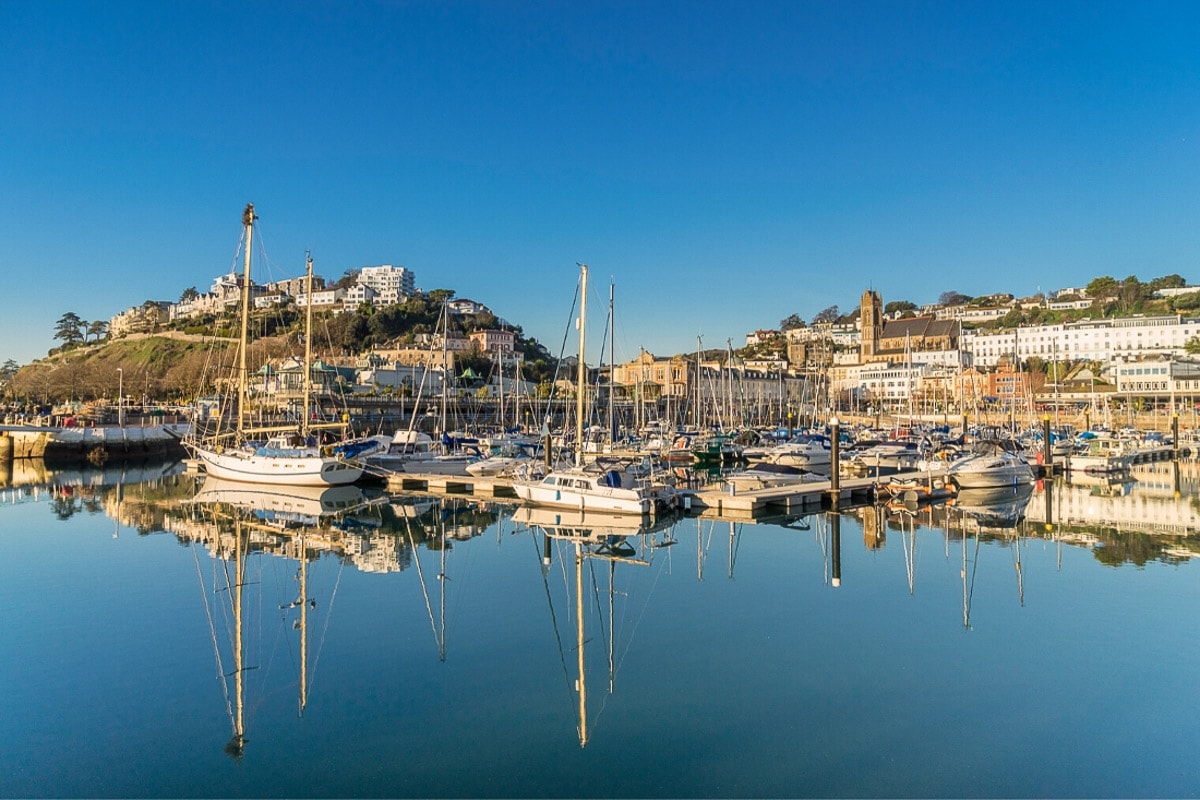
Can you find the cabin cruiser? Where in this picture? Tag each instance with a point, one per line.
(804, 450)
(768, 475)
(600, 486)
(991, 463)
(418, 452)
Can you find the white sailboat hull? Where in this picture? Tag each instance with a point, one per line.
(309, 469)
(576, 489)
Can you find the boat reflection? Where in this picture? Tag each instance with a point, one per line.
(284, 506)
(998, 507)
(609, 539)
(244, 521)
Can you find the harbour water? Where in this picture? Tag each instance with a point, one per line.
(167, 638)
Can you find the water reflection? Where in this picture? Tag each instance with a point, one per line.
(240, 526)
(596, 538)
(236, 522)
(283, 604)
(233, 529)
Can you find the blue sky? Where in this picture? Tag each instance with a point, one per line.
(724, 164)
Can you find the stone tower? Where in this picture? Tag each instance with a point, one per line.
(870, 317)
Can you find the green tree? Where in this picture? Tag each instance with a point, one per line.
(899, 305)
(97, 330)
(1173, 281)
(70, 329)
(826, 315)
(953, 298)
(1186, 302)
(189, 294)
(1103, 288)
(792, 322)
(1130, 294)
(1192, 346)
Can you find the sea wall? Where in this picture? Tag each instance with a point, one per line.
(74, 445)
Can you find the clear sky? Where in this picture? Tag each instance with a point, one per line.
(725, 164)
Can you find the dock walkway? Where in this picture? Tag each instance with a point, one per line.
(809, 496)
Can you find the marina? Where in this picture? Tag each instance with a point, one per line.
(600, 400)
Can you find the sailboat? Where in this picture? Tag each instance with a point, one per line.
(414, 451)
(600, 485)
(289, 457)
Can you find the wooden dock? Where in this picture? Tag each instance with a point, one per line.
(717, 499)
(787, 499)
(500, 488)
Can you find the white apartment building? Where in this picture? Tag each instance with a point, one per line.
(268, 300)
(389, 282)
(972, 313)
(358, 294)
(1086, 340)
(1069, 305)
(329, 297)
(883, 382)
(1177, 292)
(1157, 376)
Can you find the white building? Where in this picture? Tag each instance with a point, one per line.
(329, 297)
(358, 294)
(1157, 375)
(391, 283)
(268, 300)
(1086, 340)
(1177, 292)
(411, 379)
(973, 314)
(888, 383)
(1068, 305)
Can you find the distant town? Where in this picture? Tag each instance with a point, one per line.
(1124, 339)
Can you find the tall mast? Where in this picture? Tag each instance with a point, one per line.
(247, 223)
(500, 386)
(612, 364)
(307, 348)
(582, 372)
(445, 365)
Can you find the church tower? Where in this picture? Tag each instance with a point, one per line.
(870, 318)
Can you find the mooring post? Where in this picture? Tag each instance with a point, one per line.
(1175, 435)
(1047, 452)
(835, 489)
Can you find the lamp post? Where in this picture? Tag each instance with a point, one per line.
(120, 396)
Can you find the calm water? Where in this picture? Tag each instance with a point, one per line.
(435, 647)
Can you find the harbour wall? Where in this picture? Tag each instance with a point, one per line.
(74, 445)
